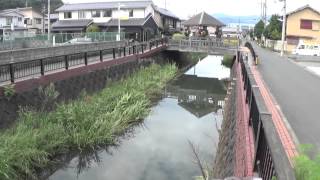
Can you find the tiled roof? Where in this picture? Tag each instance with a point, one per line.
(129, 22)
(8, 12)
(303, 8)
(72, 23)
(166, 12)
(104, 5)
(203, 19)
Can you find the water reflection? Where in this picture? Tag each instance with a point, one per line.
(190, 110)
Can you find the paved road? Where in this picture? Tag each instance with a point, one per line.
(297, 91)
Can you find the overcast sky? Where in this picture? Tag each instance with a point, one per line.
(186, 8)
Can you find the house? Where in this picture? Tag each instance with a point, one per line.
(203, 24)
(11, 24)
(166, 20)
(303, 25)
(139, 19)
(33, 20)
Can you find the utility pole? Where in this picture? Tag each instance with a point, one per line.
(48, 20)
(284, 24)
(119, 30)
(165, 4)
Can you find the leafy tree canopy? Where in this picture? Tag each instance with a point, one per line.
(274, 29)
(93, 28)
(258, 29)
(36, 4)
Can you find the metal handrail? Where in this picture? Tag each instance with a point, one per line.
(270, 159)
(17, 70)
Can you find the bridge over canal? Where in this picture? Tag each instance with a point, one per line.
(263, 145)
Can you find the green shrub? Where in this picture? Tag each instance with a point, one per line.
(9, 91)
(228, 60)
(93, 28)
(178, 36)
(305, 167)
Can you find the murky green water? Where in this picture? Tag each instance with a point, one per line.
(159, 150)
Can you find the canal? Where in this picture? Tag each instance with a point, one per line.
(190, 112)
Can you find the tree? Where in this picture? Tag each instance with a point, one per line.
(36, 4)
(93, 28)
(274, 28)
(258, 29)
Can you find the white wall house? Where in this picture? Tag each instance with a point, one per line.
(102, 13)
(33, 20)
(11, 23)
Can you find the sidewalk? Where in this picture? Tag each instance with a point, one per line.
(297, 93)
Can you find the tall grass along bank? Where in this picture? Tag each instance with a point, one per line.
(86, 123)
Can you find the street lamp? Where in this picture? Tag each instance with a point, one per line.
(48, 21)
(284, 21)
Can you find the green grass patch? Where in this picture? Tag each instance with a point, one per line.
(178, 36)
(227, 60)
(307, 168)
(83, 124)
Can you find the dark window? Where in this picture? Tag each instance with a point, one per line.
(305, 24)
(19, 19)
(67, 15)
(38, 21)
(131, 13)
(9, 21)
(107, 13)
(96, 14)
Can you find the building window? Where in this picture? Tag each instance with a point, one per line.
(131, 13)
(28, 21)
(9, 21)
(107, 13)
(305, 24)
(67, 15)
(19, 19)
(316, 25)
(38, 21)
(96, 14)
(82, 14)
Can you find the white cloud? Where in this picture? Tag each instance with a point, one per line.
(185, 8)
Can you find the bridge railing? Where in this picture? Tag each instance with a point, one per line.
(208, 43)
(270, 159)
(39, 67)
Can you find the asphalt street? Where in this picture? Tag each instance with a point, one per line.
(297, 92)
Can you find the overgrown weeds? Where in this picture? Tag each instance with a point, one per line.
(306, 167)
(80, 125)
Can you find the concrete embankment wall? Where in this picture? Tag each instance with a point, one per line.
(71, 83)
(45, 52)
(224, 165)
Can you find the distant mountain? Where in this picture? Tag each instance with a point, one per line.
(227, 19)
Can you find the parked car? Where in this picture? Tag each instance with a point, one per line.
(79, 41)
(308, 50)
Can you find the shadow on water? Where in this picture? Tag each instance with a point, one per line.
(190, 109)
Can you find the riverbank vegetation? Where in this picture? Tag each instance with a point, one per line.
(228, 60)
(306, 167)
(88, 122)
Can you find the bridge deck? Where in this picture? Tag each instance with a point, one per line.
(297, 93)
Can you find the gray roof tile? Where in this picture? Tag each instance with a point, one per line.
(104, 5)
(72, 23)
(203, 19)
(166, 12)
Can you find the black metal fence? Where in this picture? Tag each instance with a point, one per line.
(270, 156)
(14, 71)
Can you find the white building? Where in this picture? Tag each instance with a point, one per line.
(141, 19)
(11, 23)
(33, 20)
